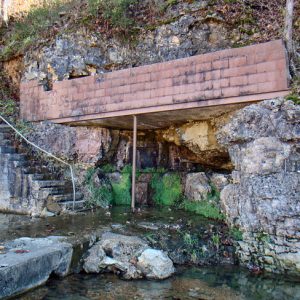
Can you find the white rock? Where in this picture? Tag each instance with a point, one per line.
(155, 264)
(45, 213)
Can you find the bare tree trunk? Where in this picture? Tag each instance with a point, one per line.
(288, 32)
(4, 5)
(288, 27)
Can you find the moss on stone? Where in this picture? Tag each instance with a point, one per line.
(208, 208)
(167, 188)
(204, 208)
(121, 189)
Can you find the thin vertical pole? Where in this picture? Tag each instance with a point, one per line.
(133, 162)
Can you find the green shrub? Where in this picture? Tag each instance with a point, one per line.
(189, 240)
(108, 168)
(263, 237)
(294, 97)
(167, 188)
(114, 11)
(99, 196)
(236, 234)
(8, 107)
(122, 189)
(215, 240)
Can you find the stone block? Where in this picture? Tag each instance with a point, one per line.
(29, 262)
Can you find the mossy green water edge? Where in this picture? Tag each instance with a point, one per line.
(166, 189)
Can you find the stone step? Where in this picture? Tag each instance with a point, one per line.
(58, 190)
(5, 135)
(31, 170)
(45, 193)
(36, 176)
(49, 183)
(19, 163)
(5, 128)
(77, 205)
(66, 197)
(16, 156)
(7, 149)
(6, 142)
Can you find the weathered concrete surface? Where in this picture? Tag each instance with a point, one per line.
(129, 257)
(29, 262)
(263, 200)
(213, 79)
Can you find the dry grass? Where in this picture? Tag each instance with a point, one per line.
(19, 8)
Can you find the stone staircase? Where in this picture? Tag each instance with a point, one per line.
(27, 186)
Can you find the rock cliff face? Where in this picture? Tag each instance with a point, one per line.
(200, 139)
(86, 145)
(263, 200)
(177, 148)
(84, 53)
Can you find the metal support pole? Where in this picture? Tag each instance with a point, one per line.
(133, 163)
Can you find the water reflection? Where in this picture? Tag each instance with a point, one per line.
(213, 283)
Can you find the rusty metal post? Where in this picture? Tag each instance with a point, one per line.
(133, 163)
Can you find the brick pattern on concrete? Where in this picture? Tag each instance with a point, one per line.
(238, 72)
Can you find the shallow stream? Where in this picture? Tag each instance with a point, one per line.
(210, 283)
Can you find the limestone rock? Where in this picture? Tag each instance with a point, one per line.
(219, 180)
(122, 247)
(155, 264)
(197, 186)
(264, 155)
(29, 262)
(127, 256)
(263, 199)
(54, 207)
(85, 144)
(271, 118)
(200, 138)
(115, 253)
(93, 262)
(85, 53)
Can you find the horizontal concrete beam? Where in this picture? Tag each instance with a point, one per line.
(164, 116)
